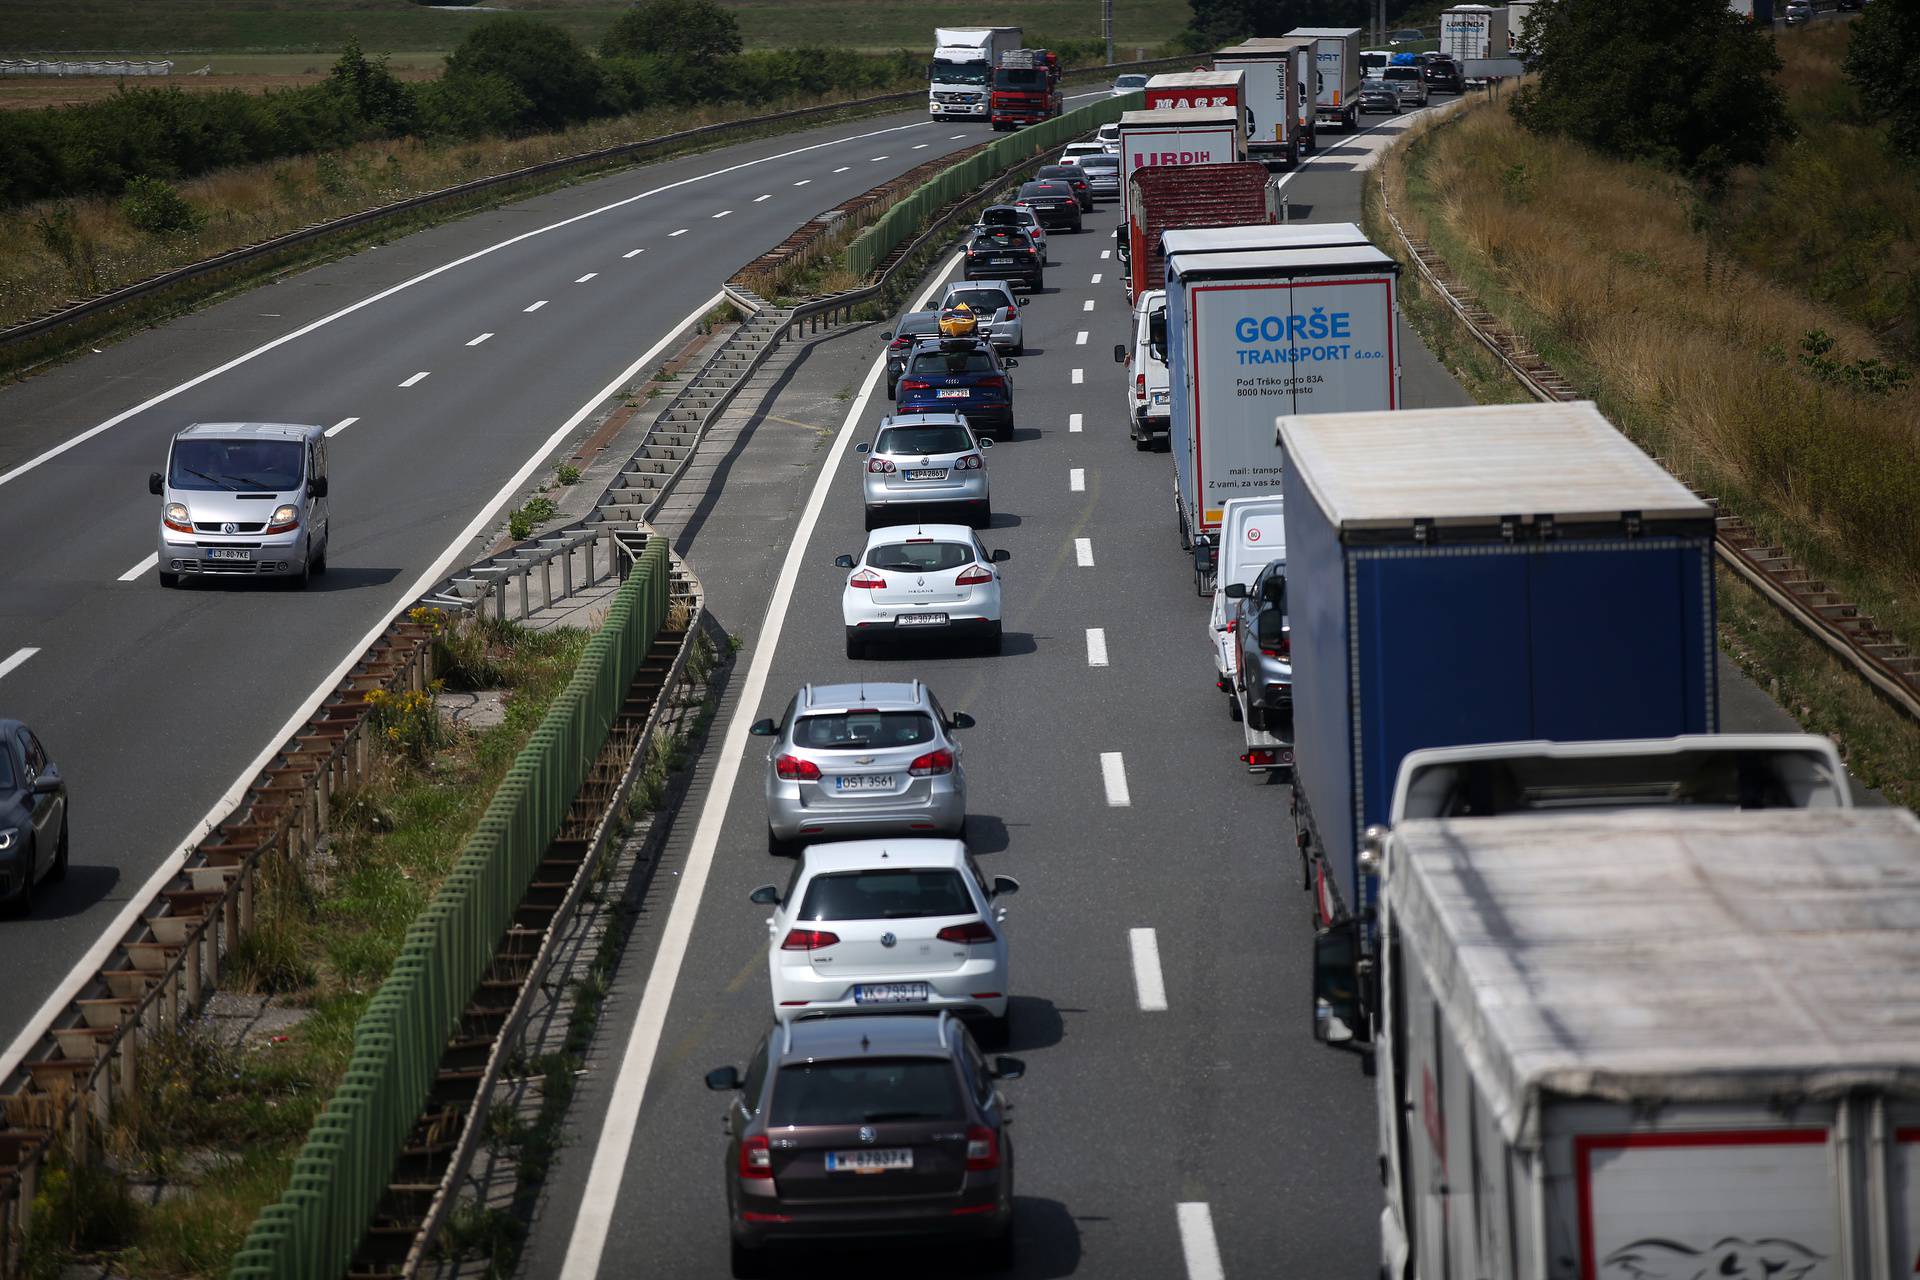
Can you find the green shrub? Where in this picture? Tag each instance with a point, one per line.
(156, 208)
(698, 30)
(545, 63)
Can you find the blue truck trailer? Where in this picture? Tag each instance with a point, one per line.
(1481, 574)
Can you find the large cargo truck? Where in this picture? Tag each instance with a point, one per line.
(960, 77)
(1337, 59)
(1181, 135)
(1195, 89)
(1264, 322)
(1643, 1042)
(1475, 37)
(1483, 574)
(1162, 198)
(1026, 89)
(1282, 79)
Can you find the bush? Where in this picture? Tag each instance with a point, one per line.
(1684, 83)
(558, 78)
(698, 30)
(469, 105)
(1883, 62)
(157, 209)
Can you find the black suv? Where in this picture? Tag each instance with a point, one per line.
(1004, 253)
(1071, 175)
(1052, 202)
(1444, 74)
(868, 1126)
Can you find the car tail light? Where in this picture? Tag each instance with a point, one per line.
(967, 462)
(756, 1161)
(973, 576)
(1285, 649)
(880, 466)
(971, 931)
(899, 343)
(794, 769)
(995, 383)
(1013, 313)
(983, 1150)
(911, 384)
(808, 940)
(1140, 386)
(867, 579)
(934, 762)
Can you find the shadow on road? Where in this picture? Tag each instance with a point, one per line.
(83, 887)
(1048, 1246)
(1033, 1023)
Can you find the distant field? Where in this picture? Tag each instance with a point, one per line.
(249, 71)
(162, 27)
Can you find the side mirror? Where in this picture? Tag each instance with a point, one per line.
(155, 484)
(999, 557)
(1206, 557)
(47, 784)
(317, 486)
(766, 896)
(985, 442)
(960, 720)
(1020, 302)
(1009, 364)
(862, 447)
(1119, 353)
(1002, 885)
(1236, 591)
(843, 562)
(1339, 1012)
(723, 1079)
(764, 729)
(886, 339)
(1005, 1068)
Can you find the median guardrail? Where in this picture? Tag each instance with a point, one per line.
(339, 1177)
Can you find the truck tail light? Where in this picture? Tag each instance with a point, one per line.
(970, 932)
(795, 769)
(756, 1161)
(1140, 386)
(983, 1149)
(932, 763)
(808, 940)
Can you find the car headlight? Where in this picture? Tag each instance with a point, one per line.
(285, 517)
(177, 519)
(8, 835)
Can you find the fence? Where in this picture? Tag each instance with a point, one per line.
(339, 1177)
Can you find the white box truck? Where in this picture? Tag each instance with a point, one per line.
(1337, 96)
(1681, 1041)
(1518, 11)
(960, 77)
(1264, 322)
(1475, 37)
(1279, 95)
(1180, 135)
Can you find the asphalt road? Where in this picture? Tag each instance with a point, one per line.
(506, 325)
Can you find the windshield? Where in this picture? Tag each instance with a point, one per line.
(951, 364)
(864, 1092)
(902, 894)
(1130, 82)
(205, 462)
(983, 301)
(863, 730)
(923, 440)
(919, 557)
(959, 72)
(918, 322)
(1026, 79)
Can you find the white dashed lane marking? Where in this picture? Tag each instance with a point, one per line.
(1083, 552)
(140, 570)
(1073, 422)
(583, 279)
(1147, 980)
(474, 342)
(723, 213)
(843, 168)
(1079, 376)
(1080, 338)
(1077, 479)
(671, 234)
(633, 253)
(803, 182)
(1096, 646)
(1197, 1243)
(1113, 775)
(21, 655)
(421, 376)
(1096, 278)
(1087, 305)
(536, 306)
(341, 425)
(758, 199)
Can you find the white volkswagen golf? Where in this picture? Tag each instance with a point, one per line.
(888, 925)
(922, 580)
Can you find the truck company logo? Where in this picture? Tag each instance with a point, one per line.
(1195, 100)
(1176, 157)
(1731, 1258)
(1258, 333)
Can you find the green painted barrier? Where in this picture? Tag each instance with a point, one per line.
(899, 223)
(343, 1170)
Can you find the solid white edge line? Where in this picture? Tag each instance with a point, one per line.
(598, 1199)
(1345, 138)
(1073, 422)
(1113, 776)
(334, 430)
(83, 972)
(139, 571)
(477, 341)
(1077, 479)
(14, 660)
(536, 306)
(1083, 552)
(1148, 983)
(1096, 646)
(74, 442)
(1197, 1242)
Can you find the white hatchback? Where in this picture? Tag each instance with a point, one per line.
(876, 926)
(1071, 153)
(917, 580)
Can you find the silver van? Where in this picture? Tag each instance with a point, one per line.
(246, 498)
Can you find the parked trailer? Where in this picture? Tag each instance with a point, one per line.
(1338, 62)
(1482, 574)
(1682, 1041)
(1181, 136)
(1161, 198)
(1279, 95)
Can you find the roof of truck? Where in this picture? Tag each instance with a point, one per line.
(1333, 32)
(1263, 45)
(1479, 463)
(1668, 956)
(1310, 259)
(1264, 235)
(1169, 117)
(1195, 79)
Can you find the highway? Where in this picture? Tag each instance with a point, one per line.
(452, 364)
(1176, 1119)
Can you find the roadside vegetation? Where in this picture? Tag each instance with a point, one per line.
(220, 1123)
(1718, 312)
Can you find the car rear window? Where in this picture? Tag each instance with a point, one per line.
(1007, 239)
(864, 1092)
(1066, 173)
(947, 364)
(1102, 161)
(918, 322)
(984, 301)
(861, 730)
(919, 557)
(1045, 191)
(886, 895)
(1403, 73)
(947, 439)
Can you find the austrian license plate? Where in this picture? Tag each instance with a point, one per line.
(890, 993)
(874, 1160)
(936, 473)
(921, 620)
(952, 393)
(863, 782)
(229, 553)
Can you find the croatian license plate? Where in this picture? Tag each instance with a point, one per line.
(952, 393)
(229, 553)
(863, 782)
(921, 620)
(938, 473)
(875, 1160)
(1001, 262)
(890, 993)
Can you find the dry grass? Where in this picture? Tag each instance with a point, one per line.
(25, 93)
(1603, 267)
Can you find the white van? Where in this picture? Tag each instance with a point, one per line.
(1148, 390)
(1252, 534)
(245, 498)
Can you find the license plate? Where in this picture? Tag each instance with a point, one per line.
(863, 782)
(1159, 397)
(1002, 262)
(229, 553)
(952, 393)
(875, 1160)
(939, 474)
(921, 620)
(890, 993)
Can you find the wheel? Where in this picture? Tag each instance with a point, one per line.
(996, 1033)
(990, 645)
(983, 518)
(780, 848)
(747, 1264)
(168, 581)
(997, 1254)
(22, 904)
(320, 561)
(893, 389)
(1040, 282)
(867, 518)
(58, 871)
(298, 581)
(1020, 347)
(856, 645)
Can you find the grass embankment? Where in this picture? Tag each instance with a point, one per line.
(219, 1125)
(1619, 276)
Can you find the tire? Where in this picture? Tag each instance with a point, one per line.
(58, 871)
(299, 581)
(168, 581)
(996, 1033)
(778, 848)
(1020, 347)
(990, 645)
(22, 904)
(998, 1254)
(893, 390)
(320, 561)
(1233, 708)
(856, 645)
(867, 518)
(983, 519)
(746, 1264)
(1040, 282)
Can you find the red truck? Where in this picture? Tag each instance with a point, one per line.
(1026, 88)
(1179, 197)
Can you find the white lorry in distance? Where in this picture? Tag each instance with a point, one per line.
(1280, 80)
(1338, 60)
(1181, 135)
(1518, 11)
(960, 77)
(1475, 37)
